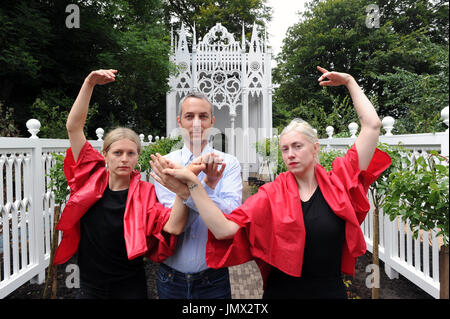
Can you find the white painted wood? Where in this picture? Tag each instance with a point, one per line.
(228, 73)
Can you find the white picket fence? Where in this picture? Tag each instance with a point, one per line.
(415, 259)
(27, 205)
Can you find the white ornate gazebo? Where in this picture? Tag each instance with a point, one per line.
(238, 83)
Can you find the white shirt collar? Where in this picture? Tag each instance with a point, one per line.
(186, 153)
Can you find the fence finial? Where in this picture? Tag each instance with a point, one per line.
(330, 131)
(388, 125)
(150, 138)
(33, 126)
(353, 128)
(141, 137)
(444, 117)
(99, 132)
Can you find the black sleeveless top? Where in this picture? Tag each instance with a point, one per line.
(102, 255)
(321, 270)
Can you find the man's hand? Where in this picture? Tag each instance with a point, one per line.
(214, 167)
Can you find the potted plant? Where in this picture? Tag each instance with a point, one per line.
(58, 184)
(163, 147)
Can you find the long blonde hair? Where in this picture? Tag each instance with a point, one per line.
(121, 133)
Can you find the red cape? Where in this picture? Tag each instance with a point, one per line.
(272, 229)
(144, 216)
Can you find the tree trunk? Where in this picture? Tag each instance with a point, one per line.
(51, 281)
(375, 257)
(443, 272)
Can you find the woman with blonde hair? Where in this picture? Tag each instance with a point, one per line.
(112, 218)
(303, 229)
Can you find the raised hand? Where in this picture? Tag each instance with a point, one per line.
(78, 113)
(334, 78)
(101, 77)
(212, 171)
(367, 139)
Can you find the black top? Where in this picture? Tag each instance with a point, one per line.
(321, 270)
(102, 255)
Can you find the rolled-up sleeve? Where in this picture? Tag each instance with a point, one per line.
(228, 193)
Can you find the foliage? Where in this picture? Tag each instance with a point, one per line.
(339, 116)
(7, 126)
(269, 150)
(326, 157)
(230, 13)
(42, 59)
(348, 288)
(416, 100)
(58, 181)
(381, 187)
(420, 194)
(163, 147)
(58, 184)
(53, 118)
(413, 36)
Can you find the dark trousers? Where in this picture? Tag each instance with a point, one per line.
(207, 284)
(131, 288)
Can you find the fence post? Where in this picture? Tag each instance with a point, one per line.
(388, 125)
(37, 193)
(353, 128)
(444, 139)
(99, 132)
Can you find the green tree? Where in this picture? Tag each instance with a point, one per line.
(60, 189)
(7, 125)
(40, 58)
(421, 195)
(163, 147)
(416, 100)
(230, 13)
(333, 34)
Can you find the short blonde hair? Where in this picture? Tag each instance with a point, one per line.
(121, 133)
(303, 127)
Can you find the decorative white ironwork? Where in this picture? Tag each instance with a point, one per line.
(221, 68)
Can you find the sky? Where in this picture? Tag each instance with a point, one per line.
(284, 15)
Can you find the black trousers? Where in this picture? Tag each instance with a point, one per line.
(282, 286)
(129, 288)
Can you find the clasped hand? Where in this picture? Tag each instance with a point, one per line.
(175, 177)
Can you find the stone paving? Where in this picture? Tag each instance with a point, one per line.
(246, 281)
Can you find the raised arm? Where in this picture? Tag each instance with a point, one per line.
(78, 112)
(367, 140)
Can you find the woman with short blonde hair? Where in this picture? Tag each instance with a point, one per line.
(112, 218)
(303, 229)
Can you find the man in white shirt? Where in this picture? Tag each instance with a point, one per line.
(185, 275)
